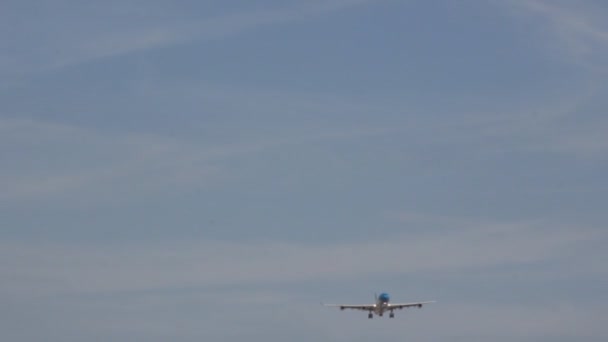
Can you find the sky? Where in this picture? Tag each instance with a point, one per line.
(213, 170)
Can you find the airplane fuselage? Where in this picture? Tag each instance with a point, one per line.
(381, 308)
(382, 304)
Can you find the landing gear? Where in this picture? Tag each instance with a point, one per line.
(391, 315)
(370, 315)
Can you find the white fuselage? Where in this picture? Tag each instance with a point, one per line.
(381, 307)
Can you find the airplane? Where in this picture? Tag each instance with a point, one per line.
(381, 306)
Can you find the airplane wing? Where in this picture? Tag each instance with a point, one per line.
(407, 305)
(366, 307)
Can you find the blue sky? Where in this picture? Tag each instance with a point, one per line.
(196, 170)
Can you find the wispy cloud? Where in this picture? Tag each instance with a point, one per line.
(547, 123)
(118, 35)
(114, 288)
(48, 160)
(518, 321)
(563, 125)
(580, 30)
(67, 268)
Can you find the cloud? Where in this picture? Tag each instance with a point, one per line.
(567, 124)
(111, 31)
(580, 31)
(554, 122)
(39, 269)
(515, 321)
(199, 288)
(585, 139)
(46, 160)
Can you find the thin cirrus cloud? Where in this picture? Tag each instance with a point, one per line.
(154, 163)
(117, 35)
(65, 268)
(566, 126)
(579, 32)
(58, 160)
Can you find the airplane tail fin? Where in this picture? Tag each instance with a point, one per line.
(375, 297)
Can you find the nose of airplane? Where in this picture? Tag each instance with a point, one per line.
(384, 297)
